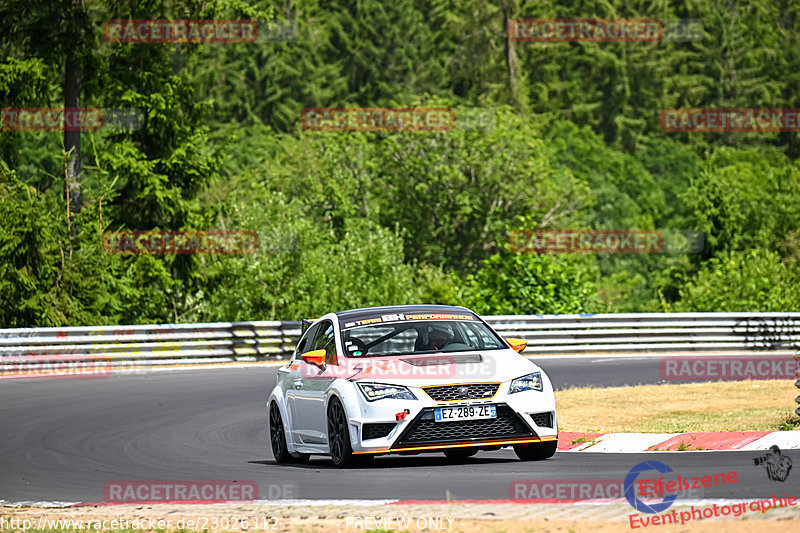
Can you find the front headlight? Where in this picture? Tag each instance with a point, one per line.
(529, 382)
(378, 391)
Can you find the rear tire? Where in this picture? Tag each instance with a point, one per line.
(277, 439)
(457, 455)
(537, 451)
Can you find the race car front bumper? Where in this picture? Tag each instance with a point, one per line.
(527, 417)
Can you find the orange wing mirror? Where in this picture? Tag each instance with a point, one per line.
(517, 344)
(314, 357)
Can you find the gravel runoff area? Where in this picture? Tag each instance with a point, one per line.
(352, 516)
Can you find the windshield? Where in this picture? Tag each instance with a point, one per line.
(429, 336)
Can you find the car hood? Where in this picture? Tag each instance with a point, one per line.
(443, 368)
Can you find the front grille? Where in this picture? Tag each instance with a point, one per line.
(424, 429)
(450, 393)
(543, 420)
(376, 431)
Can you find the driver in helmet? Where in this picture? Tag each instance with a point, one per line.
(439, 337)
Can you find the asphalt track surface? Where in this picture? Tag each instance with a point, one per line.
(64, 439)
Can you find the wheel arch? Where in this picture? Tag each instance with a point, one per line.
(277, 397)
(345, 392)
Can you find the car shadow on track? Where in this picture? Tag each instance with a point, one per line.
(318, 462)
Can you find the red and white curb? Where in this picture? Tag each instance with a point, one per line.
(676, 442)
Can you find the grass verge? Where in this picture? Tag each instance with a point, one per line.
(717, 406)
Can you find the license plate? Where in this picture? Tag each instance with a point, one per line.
(465, 412)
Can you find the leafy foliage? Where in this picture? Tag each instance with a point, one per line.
(751, 280)
(547, 136)
(530, 284)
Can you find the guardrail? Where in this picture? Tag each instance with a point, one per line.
(150, 344)
(546, 334)
(652, 332)
(709, 333)
(636, 333)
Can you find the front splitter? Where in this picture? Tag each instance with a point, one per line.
(472, 444)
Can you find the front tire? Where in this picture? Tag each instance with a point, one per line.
(339, 436)
(277, 439)
(537, 451)
(458, 455)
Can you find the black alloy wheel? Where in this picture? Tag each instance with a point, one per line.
(339, 438)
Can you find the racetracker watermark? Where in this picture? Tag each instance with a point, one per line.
(475, 119)
(70, 119)
(181, 242)
(606, 241)
(738, 120)
(198, 31)
(130, 491)
(724, 368)
(53, 366)
(377, 119)
(605, 30)
(571, 490)
(699, 513)
(403, 367)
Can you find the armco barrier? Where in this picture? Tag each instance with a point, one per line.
(151, 344)
(635, 333)
(673, 333)
(698, 333)
(653, 332)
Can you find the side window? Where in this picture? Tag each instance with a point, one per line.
(325, 339)
(304, 345)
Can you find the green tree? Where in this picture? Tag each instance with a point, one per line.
(530, 284)
(751, 280)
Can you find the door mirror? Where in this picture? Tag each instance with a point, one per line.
(517, 344)
(314, 357)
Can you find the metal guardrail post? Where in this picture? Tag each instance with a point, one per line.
(257, 342)
(281, 338)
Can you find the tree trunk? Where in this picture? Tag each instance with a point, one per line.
(519, 101)
(72, 139)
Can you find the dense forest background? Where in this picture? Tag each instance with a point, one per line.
(548, 136)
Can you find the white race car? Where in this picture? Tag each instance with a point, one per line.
(408, 379)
